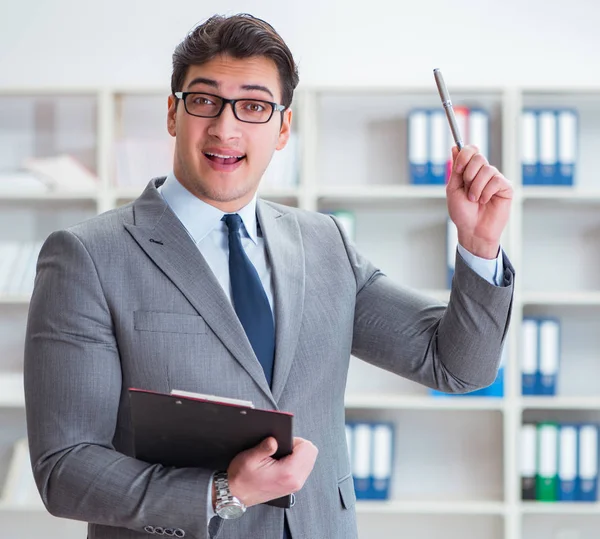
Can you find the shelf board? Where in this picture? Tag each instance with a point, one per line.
(10, 507)
(382, 192)
(66, 196)
(392, 87)
(559, 193)
(574, 298)
(562, 508)
(560, 403)
(430, 507)
(404, 402)
(131, 193)
(15, 300)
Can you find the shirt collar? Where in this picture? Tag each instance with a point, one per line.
(200, 218)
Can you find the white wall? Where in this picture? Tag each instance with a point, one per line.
(475, 42)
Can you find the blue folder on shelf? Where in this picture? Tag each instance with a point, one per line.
(567, 463)
(549, 356)
(588, 463)
(383, 451)
(362, 444)
(418, 146)
(438, 146)
(529, 147)
(529, 355)
(548, 141)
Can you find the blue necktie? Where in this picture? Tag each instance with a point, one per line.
(251, 305)
(249, 299)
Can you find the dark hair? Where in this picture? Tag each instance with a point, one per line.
(240, 36)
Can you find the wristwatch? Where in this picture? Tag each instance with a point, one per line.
(228, 506)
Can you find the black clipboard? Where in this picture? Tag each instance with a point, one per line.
(191, 432)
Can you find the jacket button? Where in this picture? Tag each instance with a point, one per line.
(170, 532)
(179, 533)
(159, 531)
(149, 529)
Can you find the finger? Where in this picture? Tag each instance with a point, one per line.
(464, 156)
(476, 165)
(297, 440)
(479, 182)
(497, 186)
(461, 159)
(304, 451)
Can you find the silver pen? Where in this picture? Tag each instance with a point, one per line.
(445, 96)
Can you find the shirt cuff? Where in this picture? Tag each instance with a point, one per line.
(210, 512)
(490, 270)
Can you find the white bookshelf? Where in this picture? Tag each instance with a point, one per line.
(456, 460)
(391, 401)
(15, 300)
(540, 508)
(431, 507)
(560, 403)
(575, 298)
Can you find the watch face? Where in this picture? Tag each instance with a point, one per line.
(230, 511)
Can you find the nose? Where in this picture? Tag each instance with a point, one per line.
(225, 126)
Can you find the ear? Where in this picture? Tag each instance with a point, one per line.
(172, 115)
(286, 129)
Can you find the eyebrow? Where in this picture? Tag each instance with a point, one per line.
(215, 84)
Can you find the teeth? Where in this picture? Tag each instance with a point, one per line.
(223, 156)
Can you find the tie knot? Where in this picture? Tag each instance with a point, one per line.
(233, 221)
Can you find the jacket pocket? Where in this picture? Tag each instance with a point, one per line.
(347, 494)
(168, 322)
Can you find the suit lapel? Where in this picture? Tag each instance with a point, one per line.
(286, 255)
(164, 239)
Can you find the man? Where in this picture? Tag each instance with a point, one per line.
(199, 286)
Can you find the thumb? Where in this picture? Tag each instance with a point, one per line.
(268, 446)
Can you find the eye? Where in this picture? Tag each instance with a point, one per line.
(253, 106)
(201, 100)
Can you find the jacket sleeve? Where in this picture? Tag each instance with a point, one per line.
(72, 394)
(455, 348)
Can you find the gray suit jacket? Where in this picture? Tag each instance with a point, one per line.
(126, 300)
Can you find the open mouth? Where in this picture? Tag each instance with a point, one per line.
(224, 159)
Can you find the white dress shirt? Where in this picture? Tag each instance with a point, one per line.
(203, 223)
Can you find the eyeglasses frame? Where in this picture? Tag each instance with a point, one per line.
(275, 107)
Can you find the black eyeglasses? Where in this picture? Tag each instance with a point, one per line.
(252, 111)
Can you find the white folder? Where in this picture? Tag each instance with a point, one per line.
(382, 458)
(528, 456)
(479, 125)
(549, 355)
(548, 146)
(439, 145)
(362, 458)
(529, 355)
(567, 462)
(529, 146)
(418, 136)
(588, 462)
(567, 145)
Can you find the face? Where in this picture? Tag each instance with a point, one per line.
(228, 184)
